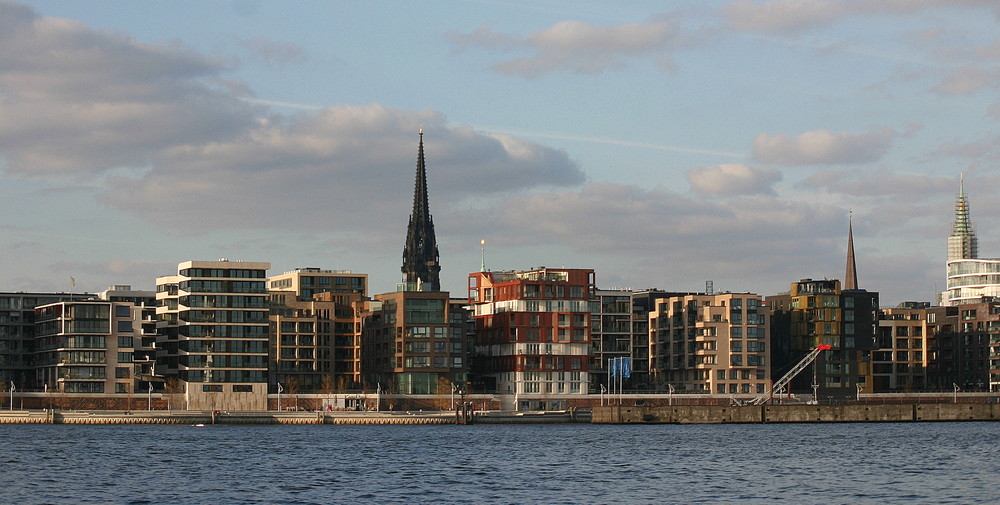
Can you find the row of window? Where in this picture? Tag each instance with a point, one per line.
(427, 362)
(740, 388)
(234, 273)
(224, 346)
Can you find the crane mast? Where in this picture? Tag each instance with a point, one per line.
(785, 379)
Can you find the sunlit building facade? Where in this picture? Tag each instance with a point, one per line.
(214, 319)
(533, 333)
(710, 344)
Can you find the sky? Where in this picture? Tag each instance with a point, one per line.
(661, 143)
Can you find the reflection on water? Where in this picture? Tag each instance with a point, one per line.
(572, 464)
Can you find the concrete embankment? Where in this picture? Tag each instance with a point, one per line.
(199, 417)
(190, 417)
(710, 414)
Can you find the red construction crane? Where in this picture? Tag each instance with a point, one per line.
(779, 384)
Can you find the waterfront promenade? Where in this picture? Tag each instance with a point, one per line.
(615, 414)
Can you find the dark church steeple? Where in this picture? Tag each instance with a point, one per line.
(851, 275)
(421, 263)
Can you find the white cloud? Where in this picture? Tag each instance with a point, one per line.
(881, 183)
(967, 80)
(79, 101)
(795, 15)
(352, 165)
(733, 179)
(823, 147)
(165, 138)
(577, 46)
(782, 15)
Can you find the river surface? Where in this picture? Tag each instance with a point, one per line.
(884, 463)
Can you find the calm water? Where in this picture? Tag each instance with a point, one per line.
(571, 464)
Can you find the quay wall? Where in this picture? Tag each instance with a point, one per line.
(213, 417)
(713, 414)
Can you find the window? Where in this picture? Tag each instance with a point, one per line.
(242, 388)
(121, 372)
(211, 388)
(121, 387)
(736, 360)
(124, 357)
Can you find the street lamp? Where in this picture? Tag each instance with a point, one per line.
(150, 397)
(12, 395)
(280, 389)
(453, 389)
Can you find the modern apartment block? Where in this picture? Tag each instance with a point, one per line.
(145, 333)
(902, 353)
(415, 342)
(611, 333)
(965, 349)
(303, 283)
(818, 312)
(315, 337)
(533, 333)
(214, 318)
(710, 344)
(17, 335)
(86, 346)
(643, 303)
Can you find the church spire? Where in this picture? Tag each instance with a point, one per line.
(962, 244)
(851, 276)
(420, 253)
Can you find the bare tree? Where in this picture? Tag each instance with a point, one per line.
(292, 387)
(172, 386)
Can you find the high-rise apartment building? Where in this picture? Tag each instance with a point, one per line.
(86, 346)
(710, 344)
(303, 283)
(533, 333)
(818, 312)
(214, 318)
(611, 333)
(315, 334)
(17, 335)
(415, 342)
(902, 354)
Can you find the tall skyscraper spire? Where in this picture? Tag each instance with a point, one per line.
(851, 276)
(962, 244)
(421, 263)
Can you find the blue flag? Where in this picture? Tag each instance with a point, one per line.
(626, 367)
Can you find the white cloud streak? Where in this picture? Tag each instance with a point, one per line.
(821, 147)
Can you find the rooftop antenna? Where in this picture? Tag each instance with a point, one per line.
(482, 243)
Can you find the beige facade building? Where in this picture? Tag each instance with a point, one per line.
(214, 319)
(86, 346)
(710, 344)
(315, 329)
